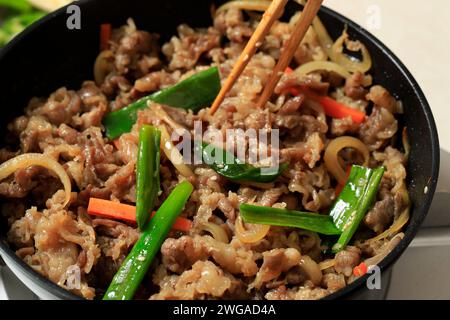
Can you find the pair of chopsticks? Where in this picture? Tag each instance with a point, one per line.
(270, 16)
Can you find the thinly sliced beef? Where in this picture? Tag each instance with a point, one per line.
(184, 51)
(233, 257)
(378, 128)
(204, 280)
(275, 262)
(346, 260)
(381, 215)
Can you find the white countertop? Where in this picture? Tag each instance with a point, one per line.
(418, 33)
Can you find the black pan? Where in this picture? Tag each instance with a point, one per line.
(48, 55)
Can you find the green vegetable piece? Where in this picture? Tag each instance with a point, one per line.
(133, 269)
(147, 173)
(194, 93)
(354, 201)
(16, 24)
(227, 165)
(17, 5)
(288, 218)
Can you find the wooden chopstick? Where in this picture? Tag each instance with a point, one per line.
(301, 27)
(268, 19)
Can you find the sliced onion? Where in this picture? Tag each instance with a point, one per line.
(322, 34)
(250, 233)
(398, 225)
(103, 66)
(406, 144)
(322, 65)
(327, 264)
(252, 5)
(216, 231)
(26, 160)
(173, 154)
(349, 63)
(163, 116)
(401, 221)
(373, 261)
(331, 156)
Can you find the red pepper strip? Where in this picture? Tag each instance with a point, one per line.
(125, 212)
(117, 144)
(360, 270)
(340, 186)
(337, 110)
(288, 70)
(293, 91)
(331, 107)
(105, 36)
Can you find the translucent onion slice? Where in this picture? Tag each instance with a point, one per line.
(26, 160)
(401, 221)
(162, 115)
(406, 144)
(327, 264)
(373, 261)
(322, 34)
(331, 156)
(173, 154)
(216, 231)
(103, 66)
(395, 228)
(322, 65)
(351, 64)
(250, 233)
(252, 5)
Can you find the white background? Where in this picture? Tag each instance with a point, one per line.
(419, 34)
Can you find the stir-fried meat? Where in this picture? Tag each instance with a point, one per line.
(383, 99)
(333, 282)
(381, 215)
(300, 293)
(231, 24)
(59, 240)
(275, 262)
(60, 107)
(205, 279)
(346, 260)
(355, 86)
(179, 254)
(67, 126)
(232, 257)
(184, 51)
(115, 239)
(379, 128)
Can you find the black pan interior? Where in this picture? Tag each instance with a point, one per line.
(49, 55)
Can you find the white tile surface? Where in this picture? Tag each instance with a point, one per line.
(418, 32)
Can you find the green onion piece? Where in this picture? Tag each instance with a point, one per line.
(16, 24)
(17, 5)
(133, 269)
(147, 173)
(354, 201)
(194, 93)
(288, 218)
(227, 165)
